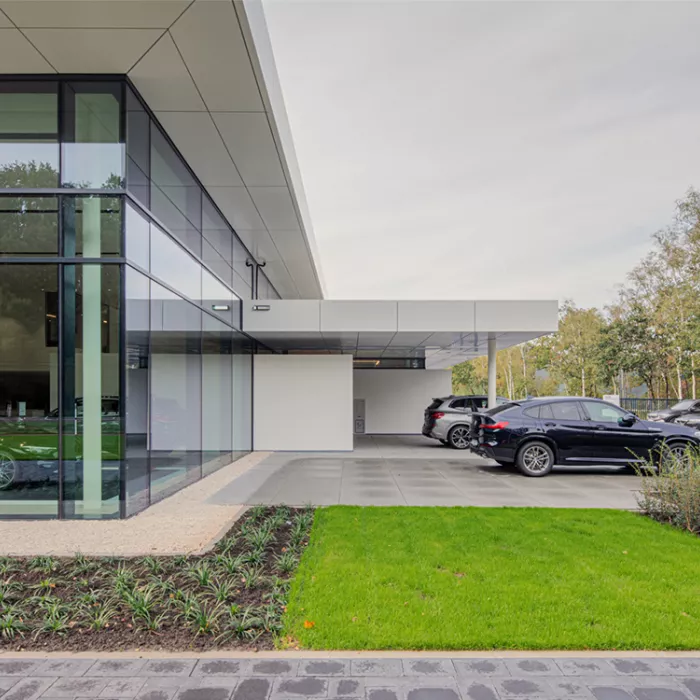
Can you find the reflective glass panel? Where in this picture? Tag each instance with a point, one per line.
(92, 425)
(93, 154)
(28, 134)
(28, 391)
(28, 226)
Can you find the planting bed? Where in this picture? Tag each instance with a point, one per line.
(233, 596)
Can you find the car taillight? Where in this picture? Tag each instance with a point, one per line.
(494, 426)
(438, 415)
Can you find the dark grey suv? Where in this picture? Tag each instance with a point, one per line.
(448, 419)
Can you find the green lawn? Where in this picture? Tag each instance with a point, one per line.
(495, 578)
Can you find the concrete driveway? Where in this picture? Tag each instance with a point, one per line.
(416, 471)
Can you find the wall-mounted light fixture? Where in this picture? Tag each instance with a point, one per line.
(221, 307)
(261, 307)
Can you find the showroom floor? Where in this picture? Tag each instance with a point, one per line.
(416, 471)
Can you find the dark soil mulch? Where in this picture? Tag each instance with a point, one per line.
(231, 597)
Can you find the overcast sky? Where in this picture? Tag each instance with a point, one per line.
(489, 149)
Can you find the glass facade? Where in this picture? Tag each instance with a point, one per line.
(124, 374)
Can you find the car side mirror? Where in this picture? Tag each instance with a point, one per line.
(627, 421)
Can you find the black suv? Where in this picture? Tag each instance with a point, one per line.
(538, 433)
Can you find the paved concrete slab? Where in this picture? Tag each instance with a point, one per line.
(412, 470)
(415, 677)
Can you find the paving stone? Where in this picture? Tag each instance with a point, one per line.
(376, 667)
(661, 681)
(116, 667)
(330, 667)
(168, 667)
(209, 693)
(157, 693)
(253, 689)
(6, 683)
(168, 682)
(585, 667)
(218, 667)
(533, 667)
(123, 687)
(382, 694)
(432, 694)
(28, 688)
(607, 692)
(480, 667)
(300, 687)
(682, 667)
(659, 693)
(639, 667)
(347, 688)
(63, 667)
(428, 667)
(522, 688)
(563, 687)
(272, 667)
(76, 687)
(19, 667)
(693, 685)
(478, 690)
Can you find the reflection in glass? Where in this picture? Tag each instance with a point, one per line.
(92, 426)
(176, 392)
(176, 198)
(92, 226)
(28, 226)
(217, 388)
(28, 391)
(138, 146)
(174, 266)
(137, 335)
(138, 237)
(93, 152)
(28, 134)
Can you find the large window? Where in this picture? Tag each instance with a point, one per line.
(123, 376)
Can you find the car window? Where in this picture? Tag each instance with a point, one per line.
(546, 412)
(565, 410)
(459, 403)
(501, 408)
(603, 412)
(682, 405)
(479, 403)
(435, 404)
(533, 412)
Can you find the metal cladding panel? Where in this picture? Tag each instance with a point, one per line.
(432, 316)
(377, 316)
(517, 316)
(287, 317)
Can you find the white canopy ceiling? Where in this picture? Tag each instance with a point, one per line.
(206, 69)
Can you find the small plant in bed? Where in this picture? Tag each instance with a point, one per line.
(233, 596)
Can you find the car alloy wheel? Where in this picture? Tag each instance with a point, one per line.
(535, 459)
(459, 437)
(8, 471)
(677, 455)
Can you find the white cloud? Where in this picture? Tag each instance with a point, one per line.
(489, 149)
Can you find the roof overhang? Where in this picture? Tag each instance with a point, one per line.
(206, 70)
(445, 333)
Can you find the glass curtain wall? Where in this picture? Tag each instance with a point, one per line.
(123, 375)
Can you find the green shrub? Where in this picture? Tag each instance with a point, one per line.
(672, 494)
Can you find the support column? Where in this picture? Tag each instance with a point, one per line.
(492, 371)
(92, 360)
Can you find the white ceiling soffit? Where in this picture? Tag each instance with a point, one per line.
(98, 14)
(17, 55)
(211, 57)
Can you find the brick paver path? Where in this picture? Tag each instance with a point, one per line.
(371, 678)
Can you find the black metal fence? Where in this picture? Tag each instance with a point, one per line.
(641, 407)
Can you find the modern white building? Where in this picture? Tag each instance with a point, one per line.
(162, 307)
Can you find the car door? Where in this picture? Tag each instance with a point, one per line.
(564, 423)
(612, 442)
